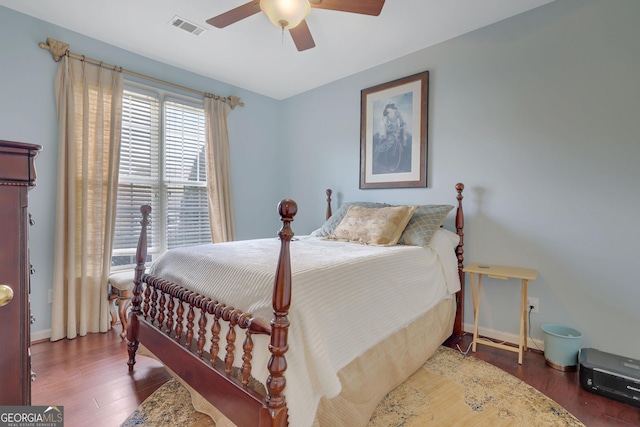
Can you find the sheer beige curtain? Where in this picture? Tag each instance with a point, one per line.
(219, 171)
(89, 101)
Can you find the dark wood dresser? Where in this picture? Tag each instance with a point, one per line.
(17, 176)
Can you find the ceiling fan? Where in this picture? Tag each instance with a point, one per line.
(290, 14)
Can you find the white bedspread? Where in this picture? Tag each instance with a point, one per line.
(339, 289)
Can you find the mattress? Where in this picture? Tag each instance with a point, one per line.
(334, 284)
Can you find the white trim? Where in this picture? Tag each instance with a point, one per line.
(496, 335)
(41, 335)
(468, 328)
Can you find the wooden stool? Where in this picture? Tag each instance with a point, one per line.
(120, 291)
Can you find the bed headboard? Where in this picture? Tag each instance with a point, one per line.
(459, 224)
(458, 326)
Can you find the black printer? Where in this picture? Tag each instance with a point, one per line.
(613, 376)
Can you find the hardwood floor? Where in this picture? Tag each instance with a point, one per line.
(89, 377)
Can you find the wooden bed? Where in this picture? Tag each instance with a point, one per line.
(182, 328)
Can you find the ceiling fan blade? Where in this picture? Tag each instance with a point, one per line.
(364, 7)
(235, 15)
(302, 36)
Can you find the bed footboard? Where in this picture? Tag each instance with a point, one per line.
(163, 318)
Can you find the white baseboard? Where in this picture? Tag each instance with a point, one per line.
(41, 335)
(468, 327)
(499, 336)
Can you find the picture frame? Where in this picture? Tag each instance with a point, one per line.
(393, 133)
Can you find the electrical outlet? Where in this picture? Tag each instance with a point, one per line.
(533, 302)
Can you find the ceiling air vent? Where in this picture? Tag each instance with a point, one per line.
(187, 26)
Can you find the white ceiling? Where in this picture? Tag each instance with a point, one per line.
(253, 54)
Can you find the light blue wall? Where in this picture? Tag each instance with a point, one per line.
(28, 114)
(537, 115)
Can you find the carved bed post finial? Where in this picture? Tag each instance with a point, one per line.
(276, 382)
(57, 48)
(329, 213)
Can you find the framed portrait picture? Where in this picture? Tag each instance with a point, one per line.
(393, 133)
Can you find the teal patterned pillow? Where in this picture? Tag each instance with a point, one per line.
(333, 221)
(424, 223)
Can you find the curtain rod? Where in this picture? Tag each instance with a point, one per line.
(59, 49)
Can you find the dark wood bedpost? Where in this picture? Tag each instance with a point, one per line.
(329, 213)
(458, 326)
(276, 382)
(136, 301)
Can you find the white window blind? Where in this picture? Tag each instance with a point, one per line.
(162, 163)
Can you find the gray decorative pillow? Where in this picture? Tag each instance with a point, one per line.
(424, 223)
(333, 221)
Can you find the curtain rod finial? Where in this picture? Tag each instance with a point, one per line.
(234, 101)
(57, 48)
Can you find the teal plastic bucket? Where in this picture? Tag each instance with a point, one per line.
(561, 347)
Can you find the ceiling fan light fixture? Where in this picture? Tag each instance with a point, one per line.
(285, 14)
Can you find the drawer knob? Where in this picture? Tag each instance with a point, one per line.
(6, 295)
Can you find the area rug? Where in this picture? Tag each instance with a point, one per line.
(448, 390)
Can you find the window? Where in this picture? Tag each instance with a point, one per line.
(162, 163)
